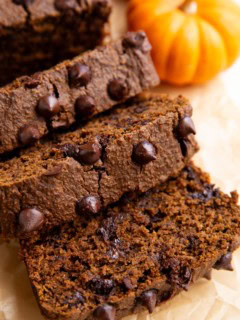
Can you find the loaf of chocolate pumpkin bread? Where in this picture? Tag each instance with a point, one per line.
(134, 147)
(37, 34)
(75, 90)
(136, 254)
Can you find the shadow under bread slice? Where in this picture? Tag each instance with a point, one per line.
(74, 90)
(134, 147)
(137, 254)
(36, 35)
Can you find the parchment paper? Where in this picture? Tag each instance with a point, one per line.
(217, 118)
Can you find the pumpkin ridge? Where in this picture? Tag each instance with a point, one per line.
(203, 74)
(183, 79)
(170, 19)
(217, 19)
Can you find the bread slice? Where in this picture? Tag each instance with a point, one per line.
(137, 254)
(74, 90)
(134, 147)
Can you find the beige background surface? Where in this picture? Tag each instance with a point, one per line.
(217, 118)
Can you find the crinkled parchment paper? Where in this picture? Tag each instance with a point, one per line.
(217, 118)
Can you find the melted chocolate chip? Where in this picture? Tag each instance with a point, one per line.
(85, 106)
(69, 150)
(28, 134)
(79, 75)
(108, 229)
(48, 106)
(186, 127)
(207, 193)
(137, 40)
(75, 299)
(89, 153)
(224, 263)
(144, 152)
(117, 89)
(166, 295)
(191, 175)
(105, 312)
(88, 205)
(177, 274)
(100, 286)
(184, 147)
(208, 275)
(193, 243)
(30, 220)
(23, 2)
(63, 5)
(149, 300)
(127, 283)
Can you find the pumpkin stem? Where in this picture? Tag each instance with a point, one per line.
(189, 7)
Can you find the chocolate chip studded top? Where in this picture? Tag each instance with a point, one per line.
(74, 90)
(164, 239)
(132, 147)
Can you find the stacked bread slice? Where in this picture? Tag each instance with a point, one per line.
(96, 178)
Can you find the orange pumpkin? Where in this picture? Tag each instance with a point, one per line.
(192, 40)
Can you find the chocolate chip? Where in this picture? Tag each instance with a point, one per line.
(88, 205)
(186, 127)
(184, 147)
(149, 299)
(208, 275)
(28, 134)
(137, 40)
(224, 263)
(63, 5)
(84, 106)
(105, 312)
(23, 2)
(30, 220)
(54, 171)
(89, 153)
(144, 152)
(79, 75)
(48, 106)
(117, 89)
(100, 286)
(127, 283)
